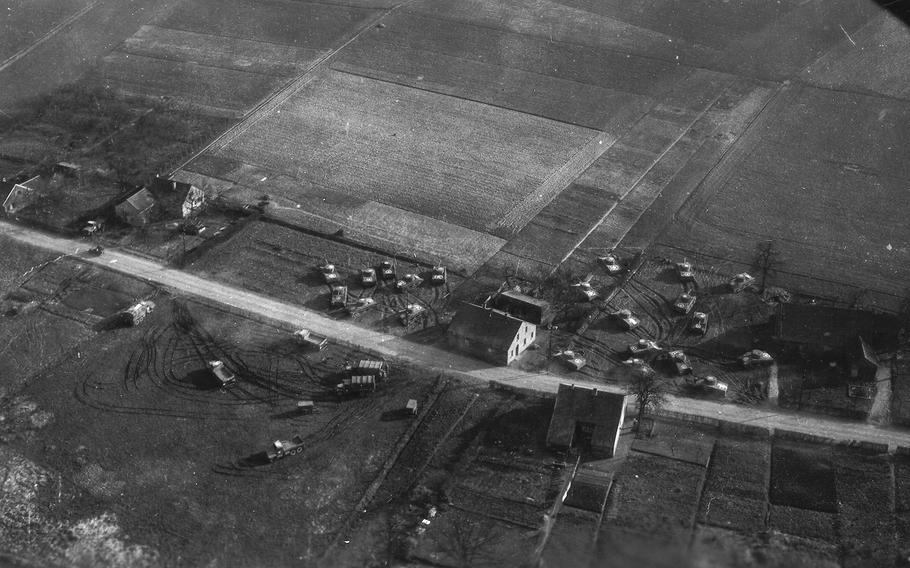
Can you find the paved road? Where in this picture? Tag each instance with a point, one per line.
(432, 358)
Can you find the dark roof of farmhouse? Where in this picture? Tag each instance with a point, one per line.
(523, 298)
(141, 200)
(496, 328)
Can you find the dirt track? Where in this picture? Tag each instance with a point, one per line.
(433, 358)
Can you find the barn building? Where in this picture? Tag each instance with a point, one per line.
(491, 335)
(587, 419)
(524, 307)
(137, 208)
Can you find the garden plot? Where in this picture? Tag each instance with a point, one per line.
(445, 158)
(655, 496)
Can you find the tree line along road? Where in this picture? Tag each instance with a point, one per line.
(434, 359)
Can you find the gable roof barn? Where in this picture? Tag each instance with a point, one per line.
(587, 416)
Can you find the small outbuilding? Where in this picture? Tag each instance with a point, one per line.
(489, 334)
(23, 194)
(588, 490)
(137, 208)
(587, 418)
(522, 306)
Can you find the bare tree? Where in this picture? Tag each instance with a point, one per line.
(766, 260)
(651, 392)
(469, 543)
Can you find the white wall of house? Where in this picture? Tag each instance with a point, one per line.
(525, 337)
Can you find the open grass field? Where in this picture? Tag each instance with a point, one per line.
(395, 145)
(875, 64)
(223, 58)
(827, 192)
(219, 51)
(201, 85)
(24, 22)
(312, 25)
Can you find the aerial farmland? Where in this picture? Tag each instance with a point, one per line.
(689, 216)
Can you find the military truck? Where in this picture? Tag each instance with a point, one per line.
(283, 448)
(311, 340)
(356, 384)
(339, 296)
(222, 373)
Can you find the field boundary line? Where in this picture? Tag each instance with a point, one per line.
(347, 70)
(225, 36)
(185, 62)
(279, 97)
(51, 33)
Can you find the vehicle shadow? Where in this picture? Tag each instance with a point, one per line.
(258, 459)
(112, 323)
(202, 379)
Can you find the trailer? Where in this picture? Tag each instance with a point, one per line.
(311, 340)
(370, 367)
